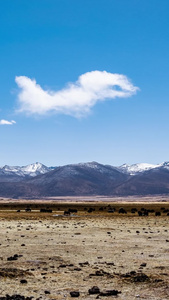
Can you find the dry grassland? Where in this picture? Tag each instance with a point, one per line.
(48, 255)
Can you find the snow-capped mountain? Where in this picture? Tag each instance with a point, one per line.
(82, 179)
(31, 170)
(136, 168)
(37, 168)
(140, 168)
(34, 169)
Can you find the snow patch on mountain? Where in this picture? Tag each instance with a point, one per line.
(137, 168)
(29, 170)
(165, 165)
(92, 165)
(35, 169)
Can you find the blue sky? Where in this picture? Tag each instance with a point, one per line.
(55, 42)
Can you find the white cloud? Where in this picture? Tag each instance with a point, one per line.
(75, 99)
(5, 122)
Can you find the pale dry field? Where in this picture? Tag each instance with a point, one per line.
(57, 255)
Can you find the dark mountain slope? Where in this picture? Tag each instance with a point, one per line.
(89, 179)
(81, 179)
(17, 189)
(155, 181)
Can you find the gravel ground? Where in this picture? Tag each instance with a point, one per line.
(47, 258)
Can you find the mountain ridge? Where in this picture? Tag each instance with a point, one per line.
(37, 180)
(39, 168)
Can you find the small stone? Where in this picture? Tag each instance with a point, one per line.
(143, 265)
(23, 281)
(12, 258)
(74, 294)
(47, 292)
(110, 293)
(94, 290)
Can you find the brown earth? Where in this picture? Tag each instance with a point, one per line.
(48, 255)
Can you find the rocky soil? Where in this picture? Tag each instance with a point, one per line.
(86, 256)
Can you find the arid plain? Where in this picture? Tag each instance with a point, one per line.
(47, 255)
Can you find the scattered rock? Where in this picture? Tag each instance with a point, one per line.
(23, 281)
(110, 293)
(12, 258)
(122, 211)
(74, 294)
(62, 266)
(135, 277)
(86, 263)
(101, 273)
(44, 210)
(143, 265)
(94, 290)
(47, 292)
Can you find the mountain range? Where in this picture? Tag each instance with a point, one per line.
(37, 180)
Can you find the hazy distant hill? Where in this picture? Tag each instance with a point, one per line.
(37, 180)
